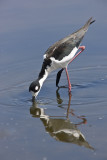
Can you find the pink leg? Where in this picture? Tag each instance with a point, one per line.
(69, 83)
(82, 49)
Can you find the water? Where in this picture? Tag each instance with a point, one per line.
(42, 129)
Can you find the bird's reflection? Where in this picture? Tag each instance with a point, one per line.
(60, 127)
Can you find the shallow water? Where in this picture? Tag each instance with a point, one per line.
(42, 129)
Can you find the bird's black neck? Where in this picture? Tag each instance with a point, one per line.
(45, 65)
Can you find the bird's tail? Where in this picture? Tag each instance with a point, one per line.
(90, 21)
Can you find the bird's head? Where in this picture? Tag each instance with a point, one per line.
(34, 88)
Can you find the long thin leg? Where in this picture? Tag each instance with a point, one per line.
(58, 77)
(60, 72)
(82, 49)
(69, 83)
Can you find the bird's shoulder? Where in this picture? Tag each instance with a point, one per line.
(61, 48)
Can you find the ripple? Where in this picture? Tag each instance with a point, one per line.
(20, 95)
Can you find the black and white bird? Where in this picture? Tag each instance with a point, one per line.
(59, 55)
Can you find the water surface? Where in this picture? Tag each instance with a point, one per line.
(56, 125)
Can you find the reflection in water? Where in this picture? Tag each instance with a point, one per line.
(60, 127)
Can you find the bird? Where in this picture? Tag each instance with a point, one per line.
(60, 55)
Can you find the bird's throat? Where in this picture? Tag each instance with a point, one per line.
(44, 71)
(43, 78)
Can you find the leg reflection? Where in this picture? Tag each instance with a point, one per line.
(69, 110)
(60, 127)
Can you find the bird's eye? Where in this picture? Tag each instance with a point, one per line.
(36, 88)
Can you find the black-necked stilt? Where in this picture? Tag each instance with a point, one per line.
(59, 55)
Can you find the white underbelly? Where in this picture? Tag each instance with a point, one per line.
(63, 63)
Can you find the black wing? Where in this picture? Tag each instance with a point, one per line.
(64, 46)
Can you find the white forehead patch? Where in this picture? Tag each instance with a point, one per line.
(36, 88)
